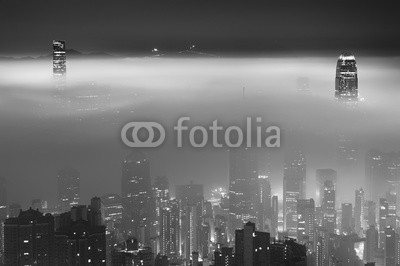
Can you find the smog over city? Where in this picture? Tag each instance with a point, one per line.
(171, 133)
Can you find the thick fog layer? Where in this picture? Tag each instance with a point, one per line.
(44, 127)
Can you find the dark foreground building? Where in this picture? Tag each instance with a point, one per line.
(29, 239)
(288, 252)
(76, 237)
(224, 257)
(80, 238)
(251, 246)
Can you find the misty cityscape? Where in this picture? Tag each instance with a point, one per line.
(132, 137)
(154, 221)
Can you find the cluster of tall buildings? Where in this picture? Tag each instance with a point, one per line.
(333, 232)
(76, 237)
(146, 225)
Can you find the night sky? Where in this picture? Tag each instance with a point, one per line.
(132, 27)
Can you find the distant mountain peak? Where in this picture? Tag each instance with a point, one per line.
(71, 53)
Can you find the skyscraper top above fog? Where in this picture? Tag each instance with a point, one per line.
(59, 57)
(346, 81)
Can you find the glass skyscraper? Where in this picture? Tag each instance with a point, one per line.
(136, 192)
(59, 61)
(294, 184)
(243, 192)
(346, 81)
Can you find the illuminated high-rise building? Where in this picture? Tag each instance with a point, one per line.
(319, 216)
(323, 175)
(136, 193)
(191, 198)
(383, 214)
(161, 187)
(294, 185)
(113, 210)
(264, 190)
(329, 196)
(346, 80)
(3, 213)
(305, 222)
(397, 257)
(274, 216)
(59, 61)
(59, 57)
(167, 237)
(243, 192)
(159, 201)
(160, 198)
(68, 180)
(359, 210)
(169, 229)
(328, 207)
(391, 198)
(113, 213)
(264, 209)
